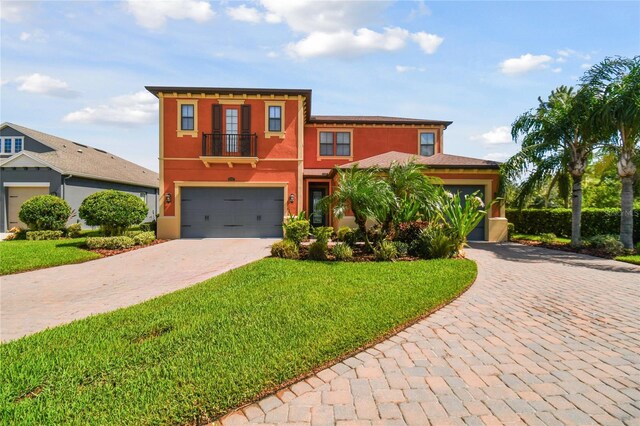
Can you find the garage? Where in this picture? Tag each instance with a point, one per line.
(17, 195)
(231, 212)
(478, 233)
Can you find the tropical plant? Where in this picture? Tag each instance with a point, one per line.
(615, 83)
(45, 213)
(461, 216)
(114, 211)
(364, 193)
(385, 251)
(296, 229)
(343, 233)
(556, 138)
(402, 248)
(342, 251)
(318, 251)
(323, 234)
(434, 242)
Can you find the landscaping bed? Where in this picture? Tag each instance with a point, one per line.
(113, 252)
(194, 355)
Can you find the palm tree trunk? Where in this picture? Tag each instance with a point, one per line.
(626, 213)
(362, 226)
(576, 211)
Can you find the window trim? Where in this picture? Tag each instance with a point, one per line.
(193, 133)
(334, 130)
(12, 150)
(435, 132)
(267, 132)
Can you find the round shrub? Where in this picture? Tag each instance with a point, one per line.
(610, 244)
(45, 213)
(318, 251)
(296, 230)
(323, 234)
(342, 233)
(385, 251)
(342, 251)
(110, 243)
(285, 249)
(74, 230)
(113, 211)
(548, 238)
(144, 238)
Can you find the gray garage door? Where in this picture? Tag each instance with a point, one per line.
(231, 212)
(478, 233)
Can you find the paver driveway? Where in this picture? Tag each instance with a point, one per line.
(33, 301)
(542, 337)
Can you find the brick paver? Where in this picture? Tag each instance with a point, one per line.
(541, 338)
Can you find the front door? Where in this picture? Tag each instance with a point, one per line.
(316, 216)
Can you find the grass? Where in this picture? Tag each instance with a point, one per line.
(635, 259)
(199, 352)
(531, 237)
(22, 255)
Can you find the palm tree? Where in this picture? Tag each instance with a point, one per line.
(413, 192)
(615, 83)
(556, 139)
(363, 192)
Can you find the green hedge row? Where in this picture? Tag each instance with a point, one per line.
(558, 221)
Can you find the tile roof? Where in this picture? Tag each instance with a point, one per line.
(316, 172)
(374, 119)
(434, 161)
(81, 160)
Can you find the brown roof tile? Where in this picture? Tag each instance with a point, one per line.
(434, 161)
(374, 119)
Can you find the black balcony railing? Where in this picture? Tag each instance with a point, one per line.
(229, 145)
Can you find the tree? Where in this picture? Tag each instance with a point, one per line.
(615, 84)
(557, 138)
(114, 211)
(364, 193)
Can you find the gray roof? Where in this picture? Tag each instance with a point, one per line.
(81, 160)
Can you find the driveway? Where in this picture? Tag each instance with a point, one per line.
(542, 338)
(33, 301)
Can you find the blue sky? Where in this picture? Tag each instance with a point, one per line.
(78, 69)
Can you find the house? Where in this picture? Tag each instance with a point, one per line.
(35, 163)
(234, 161)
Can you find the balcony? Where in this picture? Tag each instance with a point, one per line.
(229, 148)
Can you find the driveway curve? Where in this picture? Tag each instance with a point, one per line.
(541, 338)
(33, 301)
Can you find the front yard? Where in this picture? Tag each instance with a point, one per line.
(23, 255)
(195, 354)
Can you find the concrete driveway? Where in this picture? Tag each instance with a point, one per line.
(542, 338)
(33, 301)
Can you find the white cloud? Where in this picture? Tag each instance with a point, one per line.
(429, 43)
(45, 85)
(14, 11)
(272, 54)
(36, 35)
(497, 156)
(407, 68)
(496, 136)
(585, 66)
(566, 52)
(244, 14)
(524, 64)
(154, 15)
(422, 10)
(348, 43)
(556, 70)
(127, 110)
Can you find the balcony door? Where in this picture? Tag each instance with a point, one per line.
(231, 130)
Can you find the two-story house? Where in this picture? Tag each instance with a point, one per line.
(234, 162)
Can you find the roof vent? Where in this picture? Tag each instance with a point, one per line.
(100, 150)
(79, 144)
(80, 151)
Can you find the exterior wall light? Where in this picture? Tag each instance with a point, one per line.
(167, 198)
(292, 198)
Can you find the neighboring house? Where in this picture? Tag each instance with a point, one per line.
(234, 162)
(35, 163)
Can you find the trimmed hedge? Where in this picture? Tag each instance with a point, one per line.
(558, 221)
(43, 235)
(45, 213)
(144, 238)
(110, 243)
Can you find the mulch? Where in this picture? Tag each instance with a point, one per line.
(107, 252)
(566, 247)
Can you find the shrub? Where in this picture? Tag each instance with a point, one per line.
(638, 248)
(74, 230)
(511, 229)
(558, 221)
(343, 232)
(548, 238)
(323, 234)
(149, 226)
(285, 249)
(610, 244)
(43, 235)
(16, 233)
(110, 243)
(144, 238)
(296, 230)
(45, 212)
(385, 251)
(114, 211)
(132, 233)
(342, 251)
(318, 251)
(402, 248)
(409, 231)
(435, 242)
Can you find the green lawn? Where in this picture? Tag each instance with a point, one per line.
(531, 237)
(206, 349)
(23, 255)
(635, 259)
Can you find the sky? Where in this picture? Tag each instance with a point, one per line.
(77, 69)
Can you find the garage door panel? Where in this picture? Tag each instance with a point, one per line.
(231, 212)
(478, 233)
(16, 197)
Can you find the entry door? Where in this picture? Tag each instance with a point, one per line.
(17, 195)
(317, 216)
(231, 130)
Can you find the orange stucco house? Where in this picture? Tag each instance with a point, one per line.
(234, 162)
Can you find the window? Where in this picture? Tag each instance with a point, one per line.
(275, 118)
(7, 146)
(335, 143)
(187, 117)
(17, 145)
(231, 129)
(427, 144)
